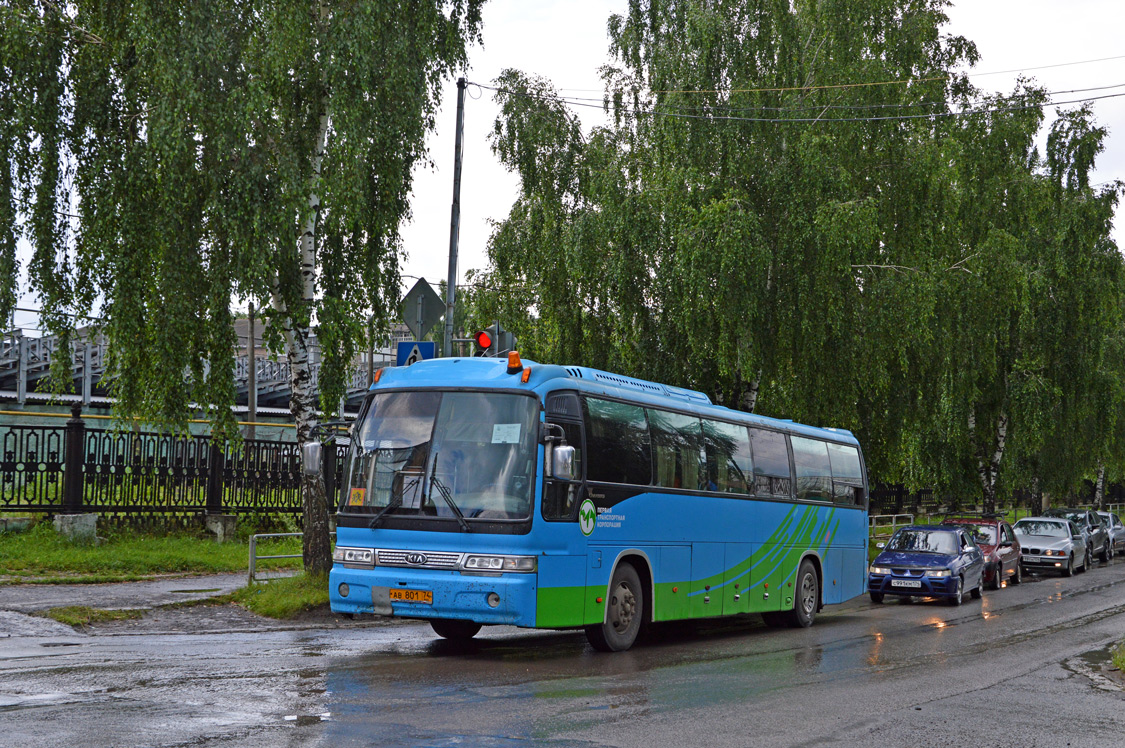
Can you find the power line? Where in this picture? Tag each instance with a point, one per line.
(876, 83)
(799, 120)
(812, 107)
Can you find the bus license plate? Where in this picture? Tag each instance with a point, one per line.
(905, 583)
(413, 596)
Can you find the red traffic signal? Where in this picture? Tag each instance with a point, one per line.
(483, 340)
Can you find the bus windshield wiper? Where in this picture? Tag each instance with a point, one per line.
(441, 489)
(379, 516)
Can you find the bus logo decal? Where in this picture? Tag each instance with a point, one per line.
(417, 559)
(586, 516)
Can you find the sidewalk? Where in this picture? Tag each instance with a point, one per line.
(33, 598)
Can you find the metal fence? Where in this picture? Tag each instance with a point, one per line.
(74, 468)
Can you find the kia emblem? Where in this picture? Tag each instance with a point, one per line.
(416, 559)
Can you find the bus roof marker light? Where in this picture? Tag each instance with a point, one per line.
(514, 363)
(378, 375)
(526, 375)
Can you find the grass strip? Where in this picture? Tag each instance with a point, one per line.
(83, 615)
(284, 597)
(1118, 656)
(42, 555)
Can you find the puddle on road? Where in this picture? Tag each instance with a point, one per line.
(1097, 665)
(195, 592)
(302, 720)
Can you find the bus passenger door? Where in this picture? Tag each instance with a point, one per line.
(736, 581)
(707, 566)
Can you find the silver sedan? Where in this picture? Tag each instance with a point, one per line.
(1051, 543)
(1116, 530)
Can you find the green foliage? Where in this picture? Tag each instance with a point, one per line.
(42, 555)
(800, 230)
(82, 615)
(285, 597)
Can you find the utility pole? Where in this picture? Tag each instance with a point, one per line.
(454, 222)
(251, 376)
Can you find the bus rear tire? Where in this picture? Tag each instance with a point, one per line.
(454, 630)
(806, 599)
(624, 610)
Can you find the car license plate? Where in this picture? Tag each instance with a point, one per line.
(413, 596)
(1032, 560)
(906, 583)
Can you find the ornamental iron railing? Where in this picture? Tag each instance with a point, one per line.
(73, 468)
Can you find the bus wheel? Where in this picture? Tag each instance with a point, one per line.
(458, 631)
(807, 597)
(623, 612)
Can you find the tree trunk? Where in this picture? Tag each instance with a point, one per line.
(1099, 486)
(316, 547)
(989, 470)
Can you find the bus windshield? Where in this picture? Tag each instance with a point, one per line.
(467, 455)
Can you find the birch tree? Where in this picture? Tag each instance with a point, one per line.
(171, 159)
(796, 210)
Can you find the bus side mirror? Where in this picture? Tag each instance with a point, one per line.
(311, 457)
(562, 462)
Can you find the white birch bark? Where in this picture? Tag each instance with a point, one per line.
(302, 398)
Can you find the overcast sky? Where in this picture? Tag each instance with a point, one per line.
(565, 41)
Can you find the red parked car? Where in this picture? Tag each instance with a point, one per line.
(998, 542)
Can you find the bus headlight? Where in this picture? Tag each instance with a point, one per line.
(354, 556)
(500, 563)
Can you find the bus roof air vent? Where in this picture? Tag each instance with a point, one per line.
(638, 385)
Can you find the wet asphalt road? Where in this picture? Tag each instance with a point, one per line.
(1023, 667)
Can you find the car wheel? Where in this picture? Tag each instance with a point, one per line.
(1087, 560)
(977, 591)
(623, 613)
(1107, 552)
(997, 576)
(807, 597)
(454, 630)
(958, 592)
(1068, 570)
(1017, 575)
(877, 597)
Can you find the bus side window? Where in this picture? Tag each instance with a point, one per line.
(730, 468)
(847, 475)
(771, 463)
(814, 472)
(617, 443)
(560, 498)
(676, 442)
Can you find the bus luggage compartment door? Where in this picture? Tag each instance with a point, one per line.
(707, 565)
(736, 583)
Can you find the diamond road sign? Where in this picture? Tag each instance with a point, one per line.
(422, 308)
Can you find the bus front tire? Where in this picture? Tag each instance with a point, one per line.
(623, 612)
(454, 630)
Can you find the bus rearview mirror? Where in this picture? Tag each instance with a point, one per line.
(562, 462)
(311, 456)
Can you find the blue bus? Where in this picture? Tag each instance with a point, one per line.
(483, 491)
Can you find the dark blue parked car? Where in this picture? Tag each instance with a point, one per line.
(928, 561)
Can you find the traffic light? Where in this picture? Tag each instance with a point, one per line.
(484, 341)
(494, 341)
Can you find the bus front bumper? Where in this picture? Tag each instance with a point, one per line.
(507, 598)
